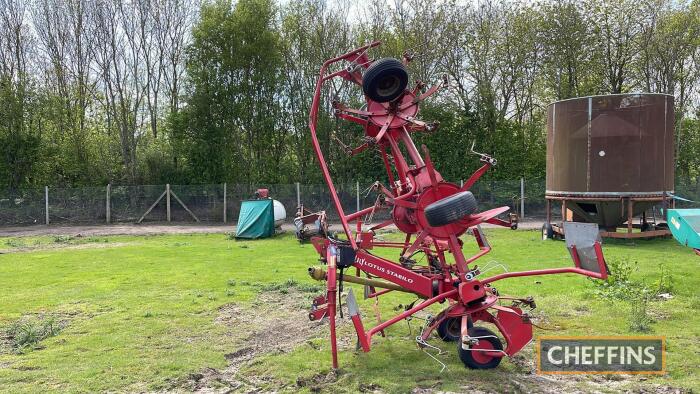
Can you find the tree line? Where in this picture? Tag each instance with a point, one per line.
(180, 91)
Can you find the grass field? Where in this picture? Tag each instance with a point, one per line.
(191, 312)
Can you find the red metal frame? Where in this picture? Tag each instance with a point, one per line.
(412, 188)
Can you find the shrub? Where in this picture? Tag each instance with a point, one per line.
(618, 285)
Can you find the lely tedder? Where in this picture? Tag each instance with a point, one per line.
(434, 214)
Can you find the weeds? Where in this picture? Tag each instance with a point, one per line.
(284, 287)
(309, 288)
(639, 319)
(59, 239)
(96, 240)
(28, 332)
(277, 286)
(15, 243)
(620, 286)
(665, 282)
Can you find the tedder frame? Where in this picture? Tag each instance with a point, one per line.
(433, 213)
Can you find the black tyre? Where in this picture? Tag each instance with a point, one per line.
(547, 231)
(450, 209)
(384, 80)
(514, 226)
(486, 354)
(450, 329)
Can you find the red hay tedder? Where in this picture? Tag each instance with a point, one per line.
(433, 213)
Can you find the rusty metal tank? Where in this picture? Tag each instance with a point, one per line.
(605, 150)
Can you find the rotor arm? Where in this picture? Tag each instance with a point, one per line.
(488, 161)
(475, 176)
(434, 89)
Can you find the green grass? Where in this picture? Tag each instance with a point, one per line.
(138, 314)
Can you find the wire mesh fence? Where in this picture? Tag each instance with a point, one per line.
(219, 203)
(22, 207)
(77, 205)
(689, 193)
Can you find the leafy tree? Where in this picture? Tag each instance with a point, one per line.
(232, 115)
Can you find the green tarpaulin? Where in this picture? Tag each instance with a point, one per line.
(256, 220)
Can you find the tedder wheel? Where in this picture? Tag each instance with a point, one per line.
(450, 329)
(450, 209)
(479, 355)
(384, 80)
(547, 231)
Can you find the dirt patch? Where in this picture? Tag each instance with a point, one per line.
(527, 380)
(122, 229)
(281, 328)
(56, 246)
(595, 383)
(316, 382)
(161, 228)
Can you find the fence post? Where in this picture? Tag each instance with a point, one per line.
(298, 195)
(108, 205)
(167, 200)
(46, 203)
(224, 202)
(522, 197)
(358, 195)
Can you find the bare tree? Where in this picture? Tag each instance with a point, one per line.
(61, 29)
(15, 41)
(119, 67)
(312, 31)
(618, 33)
(174, 20)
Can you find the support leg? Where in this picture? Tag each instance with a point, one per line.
(563, 211)
(332, 302)
(630, 212)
